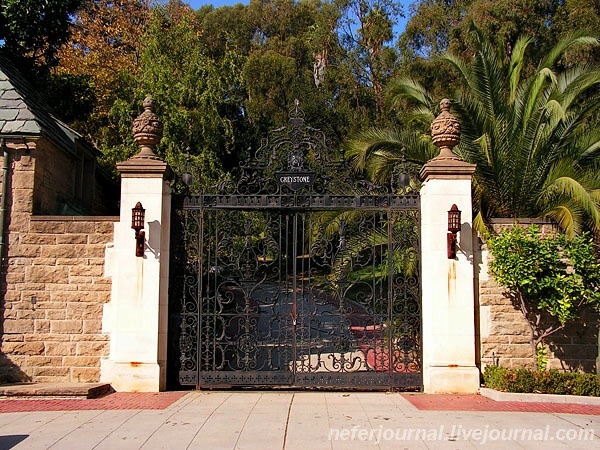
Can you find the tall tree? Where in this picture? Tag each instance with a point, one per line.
(280, 61)
(191, 93)
(105, 49)
(33, 30)
(578, 15)
(437, 26)
(530, 136)
(367, 31)
(289, 50)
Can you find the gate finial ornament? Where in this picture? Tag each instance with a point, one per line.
(445, 131)
(296, 115)
(147, 130)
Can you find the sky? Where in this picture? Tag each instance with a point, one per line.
(195, 4)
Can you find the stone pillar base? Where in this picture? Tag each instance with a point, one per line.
(133, 376)
(451, 380)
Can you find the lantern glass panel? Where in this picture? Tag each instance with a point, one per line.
(454, 219)
(137, 217)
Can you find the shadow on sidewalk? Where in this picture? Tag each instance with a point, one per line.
(7, 442)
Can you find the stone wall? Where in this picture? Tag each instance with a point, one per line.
(53, 300)
(504, 337)
(70, 183)
(53, 287)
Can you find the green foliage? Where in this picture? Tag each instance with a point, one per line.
(530, 135)
(551, 274)
(436, 26)
(550, 280)
(366, 34)
(544, 382)
(222, 77)
(541, 358)
(225, 76)
(71, 95)
(104, 48)
(33, 30)
(193, 94)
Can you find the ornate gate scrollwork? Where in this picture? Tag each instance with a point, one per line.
(294, 275)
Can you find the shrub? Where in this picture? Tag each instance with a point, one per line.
(547, 382)
(586, 384)
(549, 279)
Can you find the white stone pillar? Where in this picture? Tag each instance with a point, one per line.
(448, 292)
(137, 316)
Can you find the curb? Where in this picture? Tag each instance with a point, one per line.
(71, 390)
(538, 398)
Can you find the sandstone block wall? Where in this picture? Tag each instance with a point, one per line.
(53, 287)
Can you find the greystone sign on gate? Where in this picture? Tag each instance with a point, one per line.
(295, 180)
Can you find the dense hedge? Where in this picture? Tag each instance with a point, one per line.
(542, 382)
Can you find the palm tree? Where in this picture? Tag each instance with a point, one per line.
(531, 137)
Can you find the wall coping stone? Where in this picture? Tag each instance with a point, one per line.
(520, 220)
(75, 218)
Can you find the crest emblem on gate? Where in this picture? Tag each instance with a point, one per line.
(296, 177)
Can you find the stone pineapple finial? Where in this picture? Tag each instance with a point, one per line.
(445, 131)
(147, 130)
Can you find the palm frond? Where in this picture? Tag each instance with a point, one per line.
(580, 37)
(377, 151)
(574, 83)
(531, 137)
(479, 224)
(407, 88)
(461, 67)
(567, 219)
(517, 61)
(568, 189)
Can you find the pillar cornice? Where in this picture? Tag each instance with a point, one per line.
(445, 168)
(140, 166)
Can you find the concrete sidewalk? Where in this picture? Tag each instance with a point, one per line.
(301, 420)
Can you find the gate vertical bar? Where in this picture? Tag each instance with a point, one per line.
(295, 296)
(390, 296)
(200, 289)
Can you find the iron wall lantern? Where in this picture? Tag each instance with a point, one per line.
(138, 216)
(453, 229)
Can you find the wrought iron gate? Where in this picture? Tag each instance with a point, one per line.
(281, 283)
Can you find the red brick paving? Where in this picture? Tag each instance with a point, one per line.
(162, 400)
(443, 402)
(117, 400)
